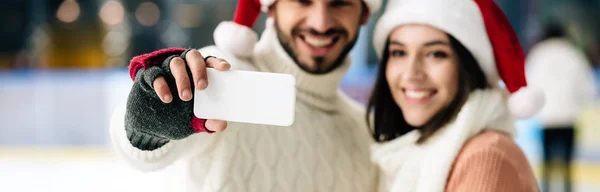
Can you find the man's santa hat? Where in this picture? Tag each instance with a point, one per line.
(237, 36)
(481, 26)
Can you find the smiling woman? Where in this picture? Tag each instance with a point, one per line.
(440, 119)
(428, 74)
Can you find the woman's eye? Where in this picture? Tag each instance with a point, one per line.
(438, 54)
(397, 53)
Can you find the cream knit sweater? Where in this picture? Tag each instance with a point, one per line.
(326, 149)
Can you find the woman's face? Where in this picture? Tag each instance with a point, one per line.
(422, 72)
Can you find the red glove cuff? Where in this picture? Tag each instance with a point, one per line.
(151, 59)
(199, 125)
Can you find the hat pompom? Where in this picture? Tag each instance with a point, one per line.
(243, 43)
(526, 102)
(237, 36)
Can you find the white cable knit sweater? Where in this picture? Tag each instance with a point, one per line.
(326, 149)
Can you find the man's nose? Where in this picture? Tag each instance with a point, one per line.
(320, 19)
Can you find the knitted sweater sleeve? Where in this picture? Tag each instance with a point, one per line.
(501, 167)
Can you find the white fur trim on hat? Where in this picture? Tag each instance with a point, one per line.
(243, 43)
(526, 102)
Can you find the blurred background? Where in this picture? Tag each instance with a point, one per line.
(63, 71)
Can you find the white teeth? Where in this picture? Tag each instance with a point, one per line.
(318, 42)
(417, 94)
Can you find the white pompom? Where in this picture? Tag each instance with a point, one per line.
(235, 38)
(526, 102)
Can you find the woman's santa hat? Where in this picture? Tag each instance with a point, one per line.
(237, 36)
(481, 26)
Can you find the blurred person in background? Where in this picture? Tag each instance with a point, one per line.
(326, 149)
(566, 76)
(441, 119)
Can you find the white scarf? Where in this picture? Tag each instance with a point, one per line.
(407, 166)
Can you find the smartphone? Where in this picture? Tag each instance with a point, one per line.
(247, 97)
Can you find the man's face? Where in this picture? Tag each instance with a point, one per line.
(318, 34)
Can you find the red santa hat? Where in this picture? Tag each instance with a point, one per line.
(482, 27)
(237, 36)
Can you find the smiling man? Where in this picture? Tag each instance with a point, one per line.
(316, 43)
(326, 149)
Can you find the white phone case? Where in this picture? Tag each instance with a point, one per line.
(247, 97)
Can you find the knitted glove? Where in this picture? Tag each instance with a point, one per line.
(150, 123)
